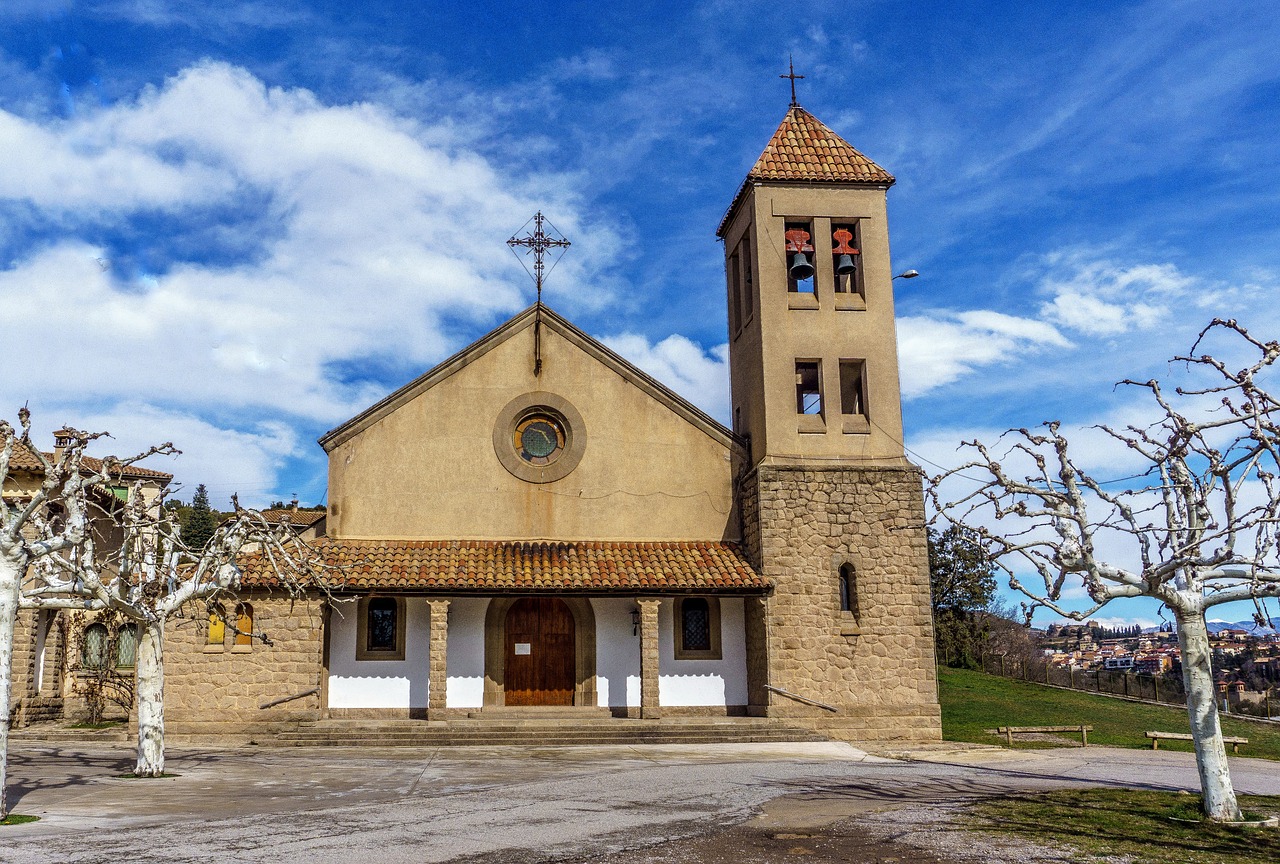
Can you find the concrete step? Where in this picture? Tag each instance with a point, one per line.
(473, 733)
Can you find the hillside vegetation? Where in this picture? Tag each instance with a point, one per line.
(974, 701)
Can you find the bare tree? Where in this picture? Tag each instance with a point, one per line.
(1199, 531)
(141, 569)
(48, 518)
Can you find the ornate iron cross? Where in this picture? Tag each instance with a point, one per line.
(537, 243)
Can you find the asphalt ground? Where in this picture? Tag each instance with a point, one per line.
(511, 805)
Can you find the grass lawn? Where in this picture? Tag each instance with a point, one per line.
(1112, 822)
(974, 701)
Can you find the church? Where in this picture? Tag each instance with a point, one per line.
(535, 527)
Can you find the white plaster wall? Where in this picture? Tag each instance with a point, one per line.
(379, 683)
(617, 653)
(465, 653)
(704, 682)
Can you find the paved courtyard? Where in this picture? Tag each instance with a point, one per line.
(511, 805)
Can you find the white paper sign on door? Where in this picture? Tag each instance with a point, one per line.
(523, 648)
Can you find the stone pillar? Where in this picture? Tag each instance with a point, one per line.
(649, 707)
(438, 675)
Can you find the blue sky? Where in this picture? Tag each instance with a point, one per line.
(236, 225)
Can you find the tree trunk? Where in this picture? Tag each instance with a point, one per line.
(11, 569)
(150, 670)
(1202, 705)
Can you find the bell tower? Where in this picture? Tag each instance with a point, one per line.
(812, 347)
(832, 512)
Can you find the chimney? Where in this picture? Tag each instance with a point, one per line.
(62, 439)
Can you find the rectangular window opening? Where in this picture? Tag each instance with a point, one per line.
(735, 298)
(808, 387)
(800, 263)
(853, 395)
(748, 287)
(846, 258)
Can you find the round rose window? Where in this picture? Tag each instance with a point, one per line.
(539, 439)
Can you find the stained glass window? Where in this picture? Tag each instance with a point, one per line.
(696, 626)
(382, 624)
(539, 439)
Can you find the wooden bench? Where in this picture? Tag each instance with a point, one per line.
(1187, 736)
(1009, 731)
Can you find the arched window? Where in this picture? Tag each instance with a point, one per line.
(848, 590)
(127, 646)
(244, 624)
(217, 625)
(697, 625)
(93, 654)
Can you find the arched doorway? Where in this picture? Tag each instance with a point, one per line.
(540, 667)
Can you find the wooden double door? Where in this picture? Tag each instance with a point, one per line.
(540, 656)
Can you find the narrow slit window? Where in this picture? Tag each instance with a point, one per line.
(748, 287)
(853, 395)
(848, 590)
(846, 258)
(735, 294)
(808, 387)
(799, 237)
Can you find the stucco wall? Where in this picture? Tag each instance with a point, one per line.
(429, 469)
(617, 653)
(718, 683)
(399, 684)
(465, 657)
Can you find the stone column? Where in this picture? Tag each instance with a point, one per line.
(649, 707)
(438, 676)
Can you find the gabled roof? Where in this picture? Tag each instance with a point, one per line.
(296, 518)
(525, 319)
(805, 150)
(592, 567)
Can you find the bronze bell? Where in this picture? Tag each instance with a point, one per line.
(800, 268)
(845, 265)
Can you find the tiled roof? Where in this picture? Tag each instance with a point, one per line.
(24, 459)
(485, 566)
(804, 149)
(293, 517)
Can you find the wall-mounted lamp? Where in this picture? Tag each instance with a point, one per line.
(635, 622)
(907, 274)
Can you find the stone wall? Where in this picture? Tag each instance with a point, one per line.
(876, 667)
(218, 689)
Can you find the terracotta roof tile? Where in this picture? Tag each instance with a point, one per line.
(486, 566)
(293, 517)
(24, 459)
(804, 149)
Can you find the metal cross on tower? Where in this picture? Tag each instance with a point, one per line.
(794, 77)
(537, 243)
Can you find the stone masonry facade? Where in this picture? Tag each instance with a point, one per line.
(222, 688)
(875, 666)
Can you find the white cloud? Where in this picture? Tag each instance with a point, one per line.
(940, 348)
(1099, 297)
(350, 238)
(700, 376)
